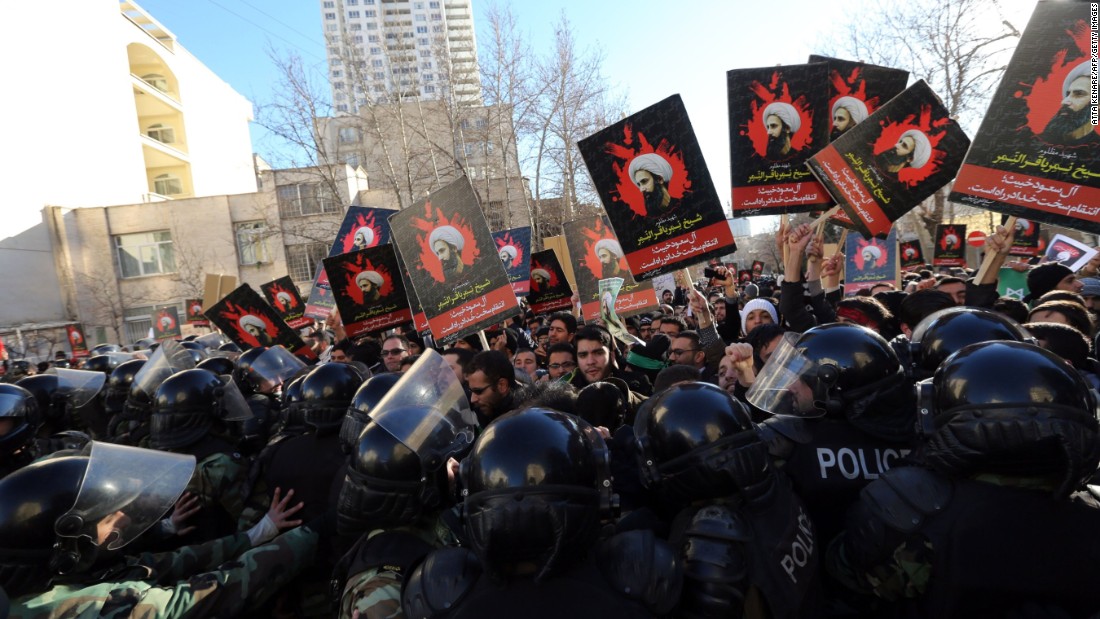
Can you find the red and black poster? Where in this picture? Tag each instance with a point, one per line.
(744, 277)
(550, 290)
(883, 167)
(596, 254)
(1037, 152)
(244, 317)
(166, 323)
(757, 268)
(361, 228)
(75, 334)
(193, 310)
(514, 249)
(911, 254)
(1025, 241)
(420, 319)
(452, 263)
(950, 246)
(779, 116)
(655, 188)
(283, 295)
(856, 90)
(368, 289)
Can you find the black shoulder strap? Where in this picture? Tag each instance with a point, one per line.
(438, 585)
(904, 497)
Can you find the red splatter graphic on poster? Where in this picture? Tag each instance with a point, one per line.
(1045, 96)
(950, 239)
(777, 91)
(598, 237)
(512, 248)
(852, 85)
(433, 222)
(633, 145)
(377, 274)
(875, 250)
(933, 130)
(365, 232)
(239, 317)
(284, 300)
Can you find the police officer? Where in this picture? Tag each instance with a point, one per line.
(947, 331)
(191, 413)
(746, 538)
(538, 488)
(114, 400)
(19, 421)
(63, 521)
(398, 484)
(994, 523)
(369, 394)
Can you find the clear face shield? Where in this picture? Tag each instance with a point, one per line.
(790, 384)
(125, 491)
(273, 367)
(79, 387)
(168, 359)
(427, 411)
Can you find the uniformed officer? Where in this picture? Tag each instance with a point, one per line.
(994, 524)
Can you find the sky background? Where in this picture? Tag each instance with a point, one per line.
(652, 49)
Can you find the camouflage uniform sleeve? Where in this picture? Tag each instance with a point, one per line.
(220, 479)
(239, 585)
(374, 594)
(189, 560)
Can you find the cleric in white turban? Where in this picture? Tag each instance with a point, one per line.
(871, 254)
(508, 253)
(922, 147)
(449, 235)
(540, 277)
(1071, 124)
(609, 245)
(847, 113)
(256, 327)
(364, 237)
(369, 282)
(786, 113)
(609, 252)
(652, 163)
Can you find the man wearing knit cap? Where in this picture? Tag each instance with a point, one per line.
(1051, 276)
(913, 150)
(652, 173)
(447, 244)
(609, 253)
(1091, 292)
(1071, 125)
(369, 282)
(758, 312)
(781, 121)
(847, 113)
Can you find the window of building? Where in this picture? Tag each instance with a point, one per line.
(337, 74)
(465, 123)
(421, 18)
(368, 2)
(433, 5)
(251, 242)
(145, 253)
(349, 135)
(332, 28)
(342, 107)
(302, 260)
(495, 215)
(305, 199)
(338, 85)
(379, 75)
(480, 123)
(423, 42)
(428, 77)
(377, 62)
(356, 28)
(352, 2)
(330, 15)
(429, 88)
(167, 185)
(371, 13)
(352, 159)
(373, 38)
(161, 133)
(353, 14)
(437, 28)
(422, 29)
(157, 81)
(425, 53)
(358, 39)
(375, 50)
(373, 26)
(436, 17)
(329, 4)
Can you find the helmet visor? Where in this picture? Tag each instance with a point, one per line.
(231, 401)
(125, 491)
(212, 340)
(79, 386)
(789, 383)
(168, 359)
(275, 365)
(17, 405)
(427, 410)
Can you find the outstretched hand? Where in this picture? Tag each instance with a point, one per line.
(188, 505)
(280, 514)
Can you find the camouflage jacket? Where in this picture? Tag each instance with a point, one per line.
(184, 583)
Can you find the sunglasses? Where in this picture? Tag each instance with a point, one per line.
(393, 352)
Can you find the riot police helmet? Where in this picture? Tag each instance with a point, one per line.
(326, 393)
(947, 331)
(366, 398)
(190, 404)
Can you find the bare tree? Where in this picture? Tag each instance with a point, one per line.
(960, 47)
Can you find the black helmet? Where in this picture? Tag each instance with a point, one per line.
(326, 393)
(105, 348)
(947, 331)
(695, 442)
(189, 403)
(57, 513)
(102, 363)
(366, 397)
(294, 420)
(538, 485)
(146, 343)
(605, 403)
(17, 445)
(217, 365)
(1011, 408)
(243, 375)
(18, 369)
(229, 347)
(385, 485)
(119, 383)
(51, 406)
(843, 371)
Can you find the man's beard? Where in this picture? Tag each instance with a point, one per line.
(653, 200)
(610, 268)
(1065, 122)
(451, 265)
(776, 146)
(891, 158)
(836, 133)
